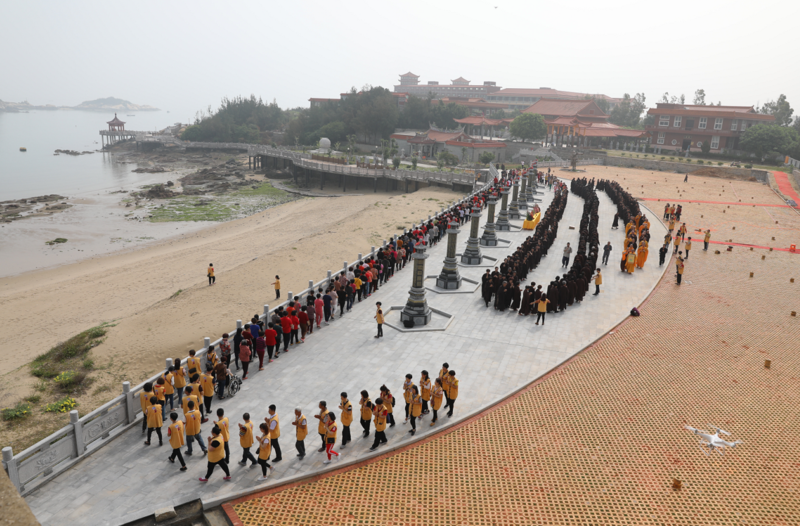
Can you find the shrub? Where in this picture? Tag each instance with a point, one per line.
(70, 381)
(46, 365)
(18, 412)
(748, 165)
(64, 405)
(88, 363)
(34, 399)
(672, 158)
(662, 158)
(699, 161)
(720, 163)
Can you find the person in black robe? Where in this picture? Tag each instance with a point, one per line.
(571, 291)
(580, 288)
(615, 224)
(516, 296)
(552, 292)
(537, 293)
(563, 296)
(525, 304)
(486, 287)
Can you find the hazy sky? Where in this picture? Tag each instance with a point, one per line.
(183, 56)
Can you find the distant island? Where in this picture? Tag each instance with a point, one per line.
(106, 104)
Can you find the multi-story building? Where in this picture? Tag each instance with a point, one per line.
(460, 87)
(521, 98)
(688, 126)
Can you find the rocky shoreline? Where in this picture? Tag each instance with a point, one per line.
(43, 205)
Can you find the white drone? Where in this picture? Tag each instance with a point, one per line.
(713, 441)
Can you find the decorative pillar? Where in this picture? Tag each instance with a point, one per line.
(416, 311)
(489, 238)
(449, 278)
(513, 210)
(472, 254)
(523, 195)
(502, 217)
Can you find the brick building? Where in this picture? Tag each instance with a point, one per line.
(687, 126)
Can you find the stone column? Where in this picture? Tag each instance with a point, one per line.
(513, 210)
(522, 203)
(502, 217)
(472, 254)
(416, 311)
(449, 278)
(489, 238)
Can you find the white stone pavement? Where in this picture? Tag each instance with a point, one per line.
(493, 354)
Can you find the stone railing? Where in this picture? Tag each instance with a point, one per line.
(83, 436)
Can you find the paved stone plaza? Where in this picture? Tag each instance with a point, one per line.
(493, 353)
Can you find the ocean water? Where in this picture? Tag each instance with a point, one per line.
(38, 171)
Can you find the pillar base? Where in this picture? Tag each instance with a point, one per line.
(472, 254)
(513, 213)
(448, 282)
(414, 314)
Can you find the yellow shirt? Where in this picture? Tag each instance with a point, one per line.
(687, 245)
(366, 410)
(264, 447)
(193, 398)
(677, 240)
(168, 389)
(347, 413)
(154, 416)
(193, 423)
(302, 427)
(438, 394)
(408, 393)
(211, 271)
(322, 428)
(193, 363)
(330, 431)
(453, 388)
(708, 237)
(358, 283)
(207, 382)
(380, 417)
(598, 280)
(216, 453)
(159, 391)
(196, 389)
(425, 385)
(379, 317)
(144, 399)
(223, 426)
(542, 307)
(246, 434)
(277, 284)
(416, 406)
(176, 435)
(274, 431)
(180, 377)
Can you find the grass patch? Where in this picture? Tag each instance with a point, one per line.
(88, 364)
(56, 241)
(102, 389)
(265, 189)
(59, 358)
(240, 203)
(34, 399)
(41, 386)
(65, 405)
(18, 412)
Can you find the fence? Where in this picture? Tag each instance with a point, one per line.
(794, 162)
(83, 436)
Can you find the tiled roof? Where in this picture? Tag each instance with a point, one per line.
(563, 108)
(409, 74)
(546, 93)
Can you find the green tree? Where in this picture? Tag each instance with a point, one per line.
(628, 112)
(700, 97)
(414, 162)
(528, 126)
(762, 139)
(486, 157)
(705, 146)
(396, 162)
(780, 109)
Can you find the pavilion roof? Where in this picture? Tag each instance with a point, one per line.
(565, 108)
(480, 120)
(115, 120)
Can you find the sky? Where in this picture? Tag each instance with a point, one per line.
(184, 56)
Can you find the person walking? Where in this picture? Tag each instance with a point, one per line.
(565, 257)
(330, 437)
(606, 252)
(366, 412)
(244, 356)
(211, 278)
(687, 247)
(679, 268)
(264, 452)
(706, 239)
(274, 432)
(408, 394)
(598, 280)
(192, 425)
(388, 403)
(677, 244)
(175, 432)
(154, 421)
(416, 408)
(437, 394)
(246, 441)
(216, 455)
(277, 285)
(541, 310)
(380, 412)
(662, 254)
(301, 431)
(379, 319)
(322, 429)
(454, 389)
(347, 418)
(425, 387)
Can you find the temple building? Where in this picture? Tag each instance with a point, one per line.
(460, 87)
(521, 98)
(579, 122)
(688, 126)
(464, 146)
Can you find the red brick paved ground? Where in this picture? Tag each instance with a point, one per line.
(599, 440)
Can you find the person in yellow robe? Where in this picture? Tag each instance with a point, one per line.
(637, 220)
(641, 256)
(628, 228)
(630, 262)
(645, 226)
(624, 260)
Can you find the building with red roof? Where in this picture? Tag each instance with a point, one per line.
(428, 144)
(688, 126)
(521, 98)
(460, 87)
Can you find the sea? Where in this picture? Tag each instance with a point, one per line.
(39, 172)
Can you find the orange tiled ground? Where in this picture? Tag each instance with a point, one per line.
(599, 440)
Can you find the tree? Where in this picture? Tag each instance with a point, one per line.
(414, 162)
(700, 97)
(529, 126)
(762, 139)
(601, 103)
(666, 99)
(486, 157)
(628, 112)
(705, 147)
(780, 109)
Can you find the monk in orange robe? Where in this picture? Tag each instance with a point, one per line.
(641, 257)
(630, 262)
